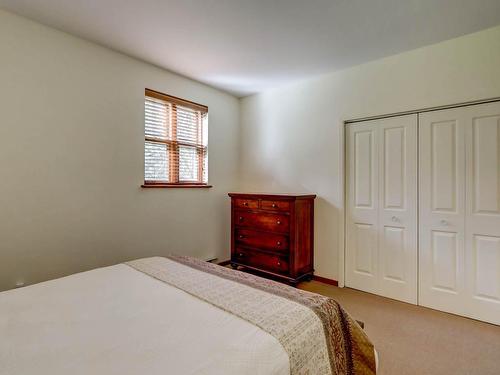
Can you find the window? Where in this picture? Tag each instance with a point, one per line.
(175, 146)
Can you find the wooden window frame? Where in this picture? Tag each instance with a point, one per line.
(174, 144)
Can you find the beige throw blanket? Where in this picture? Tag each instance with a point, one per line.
(316, 333)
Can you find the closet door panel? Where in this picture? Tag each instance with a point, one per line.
(362, 208)
(482, 219)
(444, 161)
(441, 208)
(381, 207)
(398, 208)
(444, 258)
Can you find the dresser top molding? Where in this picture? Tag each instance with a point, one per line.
(276, 196)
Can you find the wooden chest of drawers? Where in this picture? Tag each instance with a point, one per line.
(273, 233)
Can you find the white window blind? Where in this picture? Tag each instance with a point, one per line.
(176, 135)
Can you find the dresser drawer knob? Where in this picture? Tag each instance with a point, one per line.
(245, 204)
(240, 218)
(278, 243)
(274, 205)
(241, 255)
(278, 222)
(279, 263)
(241, 236)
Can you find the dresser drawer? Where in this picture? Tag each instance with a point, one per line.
(262, 240)
(246, 203)
(273, 263)
(270, 222)
(275, 205)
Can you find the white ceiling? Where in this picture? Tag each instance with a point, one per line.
(247, 46)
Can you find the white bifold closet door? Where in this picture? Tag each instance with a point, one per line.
(459, 223)
(381, 216)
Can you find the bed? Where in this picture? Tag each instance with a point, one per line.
(176, 315)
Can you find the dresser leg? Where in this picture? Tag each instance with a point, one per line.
(235, 266)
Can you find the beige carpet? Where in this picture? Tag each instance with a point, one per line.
(416, 340)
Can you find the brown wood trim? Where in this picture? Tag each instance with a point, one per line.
(175, 143)
(176, 100)
(173, 151)
(324, 280)
(224, 263)
(178, 185)
(199, 141)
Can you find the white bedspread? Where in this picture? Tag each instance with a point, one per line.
(116, 320)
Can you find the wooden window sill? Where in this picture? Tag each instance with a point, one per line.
(174, 186)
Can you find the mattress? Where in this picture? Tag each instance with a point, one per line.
(118, 320)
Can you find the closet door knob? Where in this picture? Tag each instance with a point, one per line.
(395, 219)
(444, 222)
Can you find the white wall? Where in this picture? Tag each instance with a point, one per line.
(71, 159)
(291, 136)
(71, 148)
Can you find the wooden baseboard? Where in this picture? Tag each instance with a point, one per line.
(224, 263)
(324, 280)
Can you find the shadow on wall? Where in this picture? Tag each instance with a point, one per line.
(326, 239)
